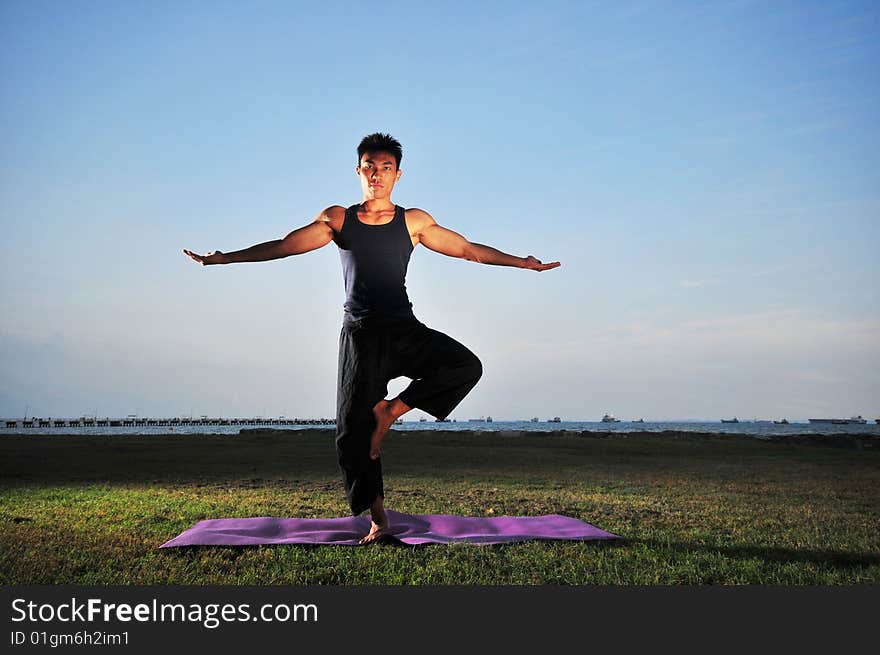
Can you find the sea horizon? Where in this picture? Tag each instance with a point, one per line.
(755, 428)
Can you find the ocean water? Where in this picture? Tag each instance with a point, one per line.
(754, 429)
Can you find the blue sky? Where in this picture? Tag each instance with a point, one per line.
(707, 173)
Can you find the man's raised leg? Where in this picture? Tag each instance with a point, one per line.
(442, 371)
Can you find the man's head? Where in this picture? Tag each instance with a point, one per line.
(378, 166)
(379, 142)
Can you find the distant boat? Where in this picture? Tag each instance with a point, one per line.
(555, 419)
(535, 419)
(488, 419)
(441, 420)
(856, 420)
(782, 422)
(608, 418)
(730, 420)
(423, 420)
(476, 420)
(641, 420)
(398, 421)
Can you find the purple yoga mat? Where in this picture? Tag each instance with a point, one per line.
(408, 528)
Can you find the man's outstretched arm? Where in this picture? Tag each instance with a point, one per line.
(440, 239)
(310, 237)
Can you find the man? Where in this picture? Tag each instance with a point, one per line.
(381, 339)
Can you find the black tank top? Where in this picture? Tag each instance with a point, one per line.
(374, 261)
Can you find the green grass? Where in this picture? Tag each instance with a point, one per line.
(691, 509)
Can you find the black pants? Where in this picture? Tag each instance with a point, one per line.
(373, 351)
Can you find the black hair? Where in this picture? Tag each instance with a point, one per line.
(379, 142)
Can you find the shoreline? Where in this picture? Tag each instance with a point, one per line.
(849, 440)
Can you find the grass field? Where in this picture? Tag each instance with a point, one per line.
(692, 509)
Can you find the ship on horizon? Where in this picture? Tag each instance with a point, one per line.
(852, 420)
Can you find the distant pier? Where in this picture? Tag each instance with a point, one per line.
(91, 422)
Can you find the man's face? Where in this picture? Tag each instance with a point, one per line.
(378, 173)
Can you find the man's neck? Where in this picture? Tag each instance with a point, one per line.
(371, 205)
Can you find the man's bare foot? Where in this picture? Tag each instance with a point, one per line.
(379, 521)
(386, 412)
(384, 419)
(376, 532)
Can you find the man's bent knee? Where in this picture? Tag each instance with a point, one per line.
(475, 369)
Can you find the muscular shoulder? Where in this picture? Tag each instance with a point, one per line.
(418, 219)
(333, 216)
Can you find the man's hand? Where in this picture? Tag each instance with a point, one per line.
(213, 257)
(536, 265)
